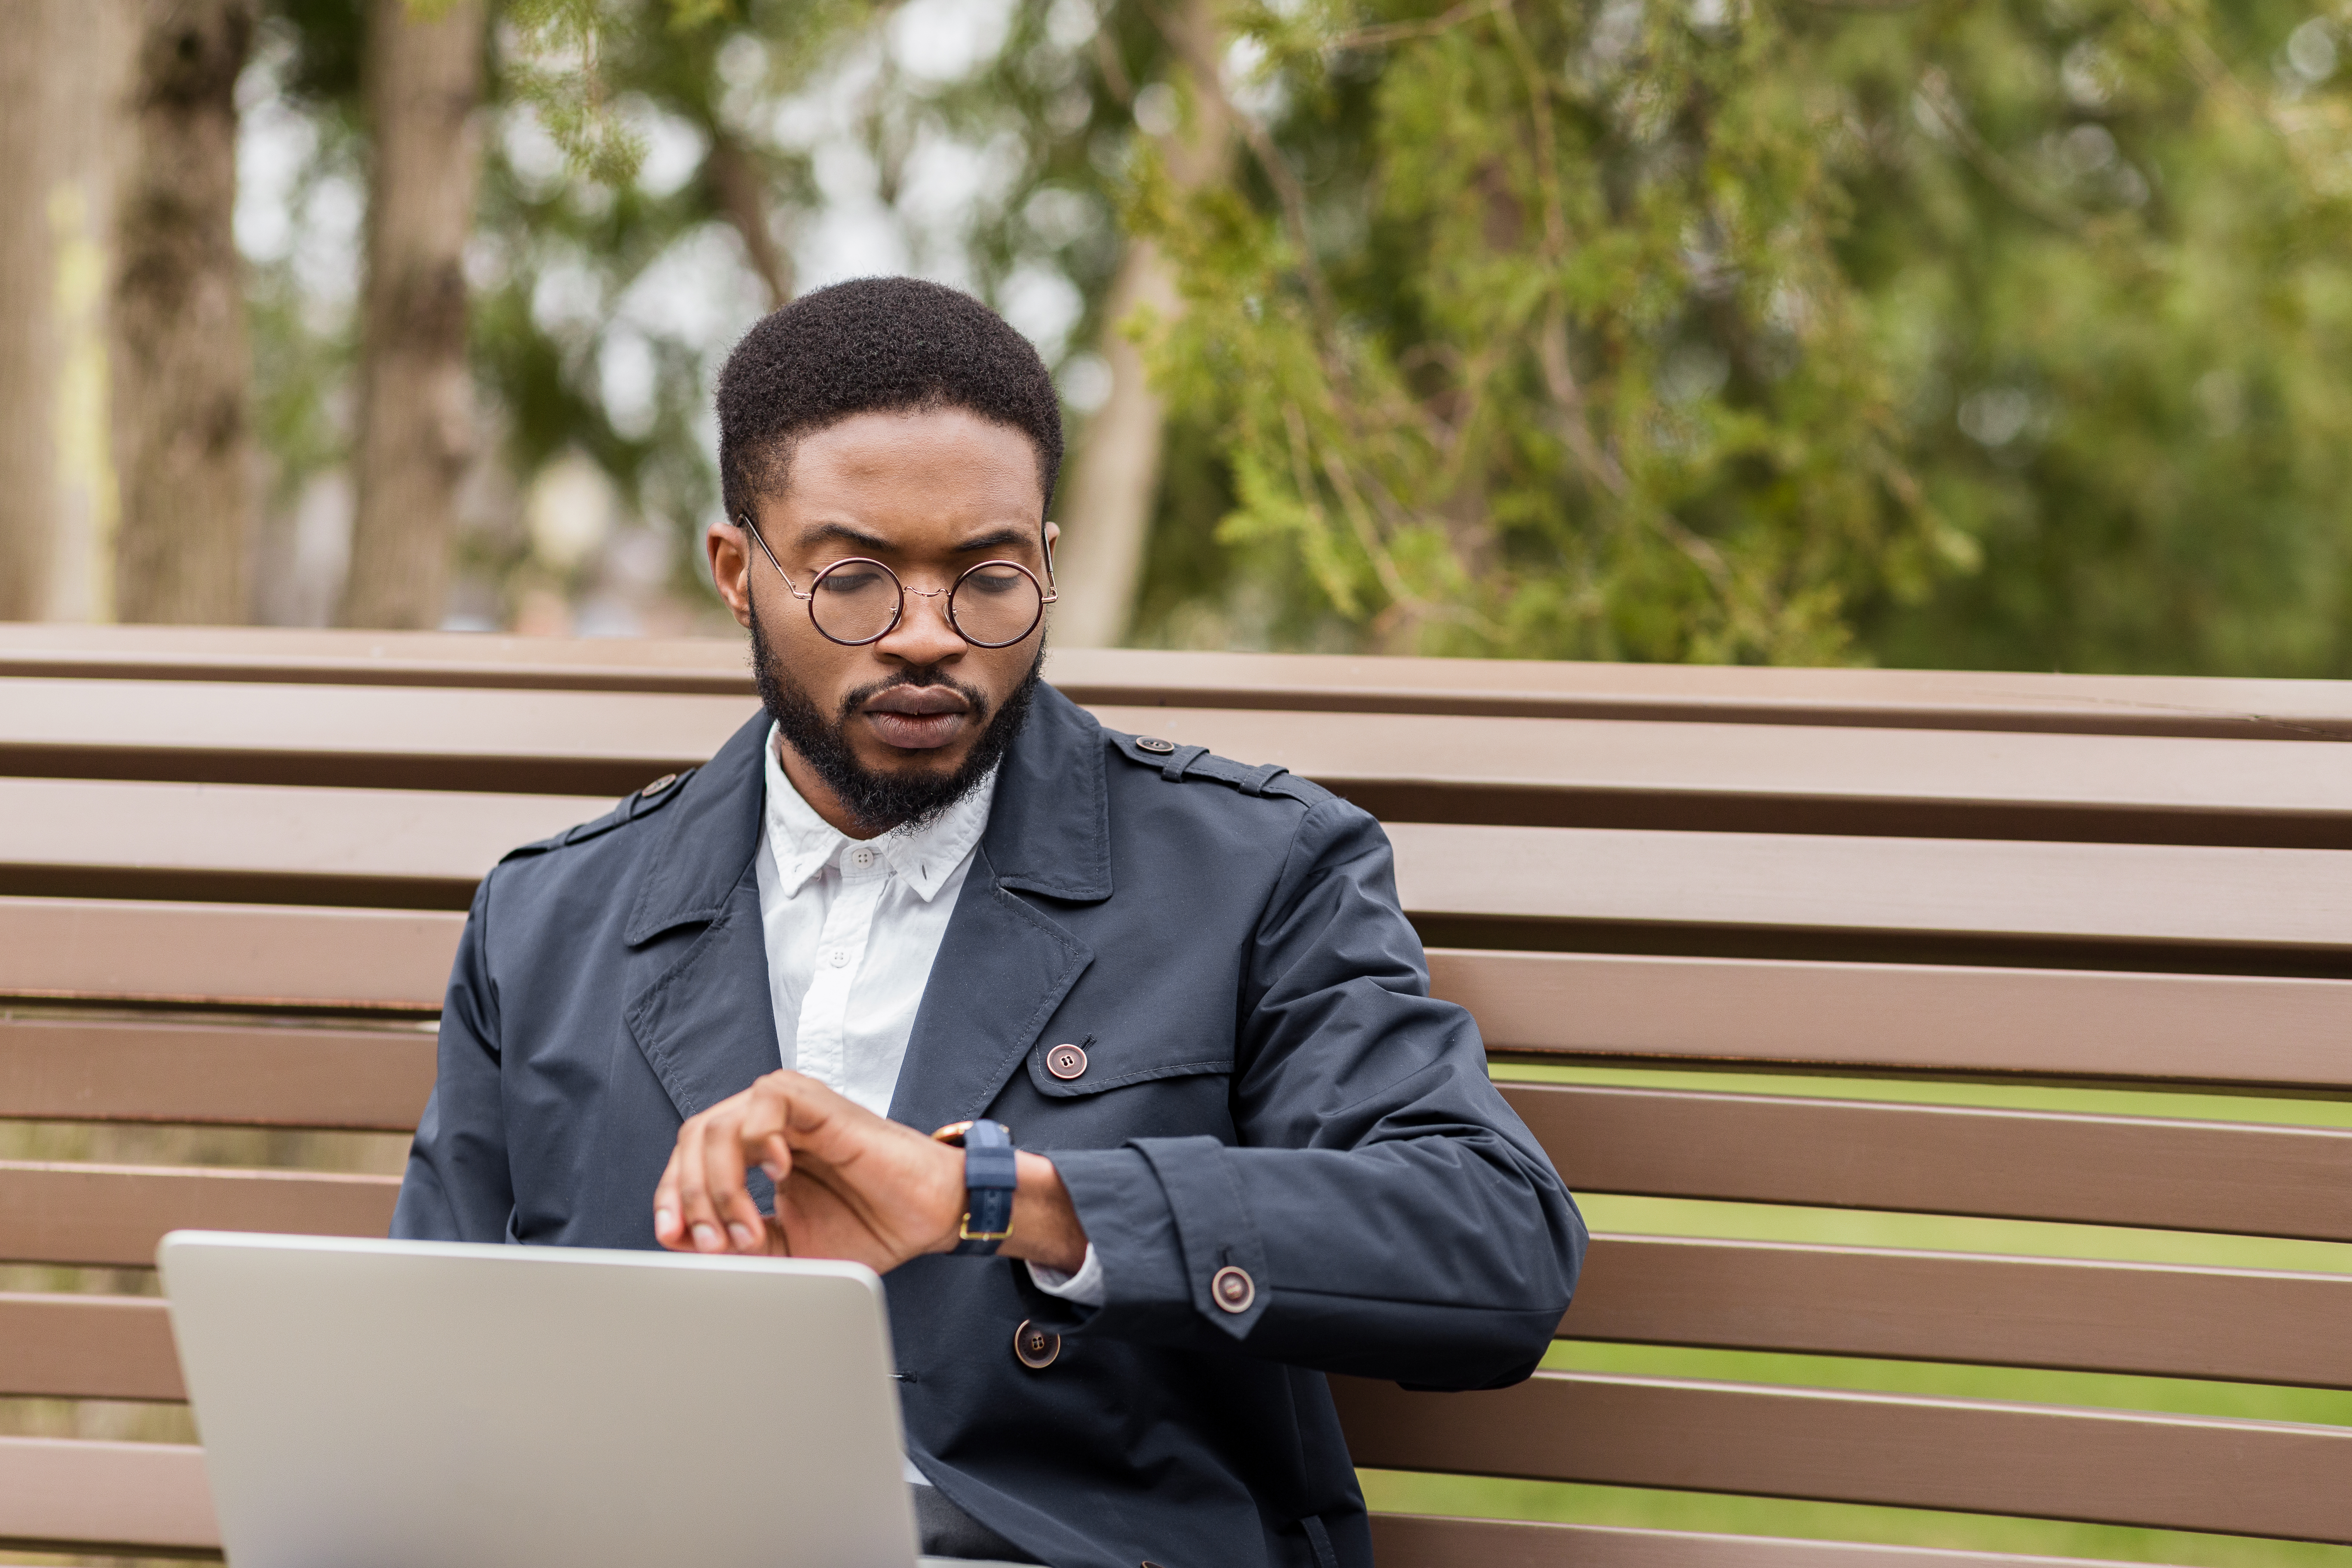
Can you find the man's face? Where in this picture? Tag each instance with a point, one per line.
(890, 726)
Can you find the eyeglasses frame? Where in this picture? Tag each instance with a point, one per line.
(1048, 592)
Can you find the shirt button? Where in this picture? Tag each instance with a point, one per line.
(840, 957)
(861, 858)
(1066, 1062)
(1034, 1347)
(1232, 1289)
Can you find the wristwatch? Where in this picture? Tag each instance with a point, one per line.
(988, 1183)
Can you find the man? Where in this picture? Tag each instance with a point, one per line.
(923, 889)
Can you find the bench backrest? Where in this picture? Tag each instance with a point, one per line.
(233, 866)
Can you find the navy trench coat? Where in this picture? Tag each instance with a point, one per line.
(1269, 1086)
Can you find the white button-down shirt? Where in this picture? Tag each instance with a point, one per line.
(852, 927)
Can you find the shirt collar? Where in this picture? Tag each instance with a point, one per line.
(923, 858)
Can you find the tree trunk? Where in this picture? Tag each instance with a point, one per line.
(415, 428)
(60, 73)
(1114, 482)
(736, 184)
(1106, 508)
(183, 440)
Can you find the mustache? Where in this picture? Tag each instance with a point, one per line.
(975, 698)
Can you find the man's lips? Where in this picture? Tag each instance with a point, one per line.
(918, 700)
(917, 718)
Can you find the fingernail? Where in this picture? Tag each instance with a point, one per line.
(742, 1235)
(706, 1238)
(665, 1221)
(775, 1170)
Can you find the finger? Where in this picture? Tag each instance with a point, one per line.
(699, 1219)
(719, 1156)
(668, 1229)
(757, 1133)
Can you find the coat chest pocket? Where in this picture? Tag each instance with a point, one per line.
(1065, 1069)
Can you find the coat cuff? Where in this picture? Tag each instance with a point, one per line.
(1165, 1216)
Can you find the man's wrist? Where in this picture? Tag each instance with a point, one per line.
(1046, 1229)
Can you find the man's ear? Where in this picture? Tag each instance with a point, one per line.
(1052, 535)
(729, 550)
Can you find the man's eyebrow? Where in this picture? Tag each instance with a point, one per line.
(842, 533)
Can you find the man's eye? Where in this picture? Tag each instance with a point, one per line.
(857, 582)
(993, 583)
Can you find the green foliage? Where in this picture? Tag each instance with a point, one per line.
(1990, 332)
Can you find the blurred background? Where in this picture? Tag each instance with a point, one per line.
(1996, 333)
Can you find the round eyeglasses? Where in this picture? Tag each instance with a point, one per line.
(858, 600)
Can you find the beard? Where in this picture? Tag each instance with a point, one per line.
(879, 801)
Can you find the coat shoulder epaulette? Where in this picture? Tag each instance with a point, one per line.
(1177, 764)
(634, 807)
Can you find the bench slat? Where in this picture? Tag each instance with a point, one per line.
(2225, 1324)
(1550, 887)
(2190, 905)
(2168, 1472)
(86, 1347)
(112, 1216)
(77, 1495)
(2256, 1030)
(1406, 767)
(2231, 1325)
(247, 955)
(260, 844)
(73, 1069)
(2005, 1164)
(1422, 1540)
(2150, 705)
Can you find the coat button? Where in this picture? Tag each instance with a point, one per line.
(1232, 1288)
(658, 785)
(1153, 743)
(1067, 1062)
(1034, 1347)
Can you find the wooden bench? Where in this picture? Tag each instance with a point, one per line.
(233, 866)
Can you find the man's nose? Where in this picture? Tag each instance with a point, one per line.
(924, 635)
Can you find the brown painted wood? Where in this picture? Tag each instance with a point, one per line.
(253, 1075)
(131, 1499)
(2167, 1472)
(2006, 1165)
(2185, 906)
(103, 1216)
(398, 848)
(2291, 709)
(380, 737)
(1423, 1540)
(1405, 767)
(2251, 1030)
(1779, 778)
(88, 1347)
(1552, 887)
(2231, 1325)
(257, 956)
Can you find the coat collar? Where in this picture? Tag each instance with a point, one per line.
(708, 836)
(1048, 832)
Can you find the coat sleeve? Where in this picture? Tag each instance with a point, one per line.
(1396, 1219)
(458, 1187)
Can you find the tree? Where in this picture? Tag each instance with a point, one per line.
(179, 371)
(61, 71)
(423, 77)
(1113, 489)
(1775, 329)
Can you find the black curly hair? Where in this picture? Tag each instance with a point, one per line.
(875, 343)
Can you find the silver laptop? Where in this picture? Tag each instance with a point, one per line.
(432, 1404)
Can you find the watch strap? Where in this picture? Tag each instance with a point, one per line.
(990, 1176)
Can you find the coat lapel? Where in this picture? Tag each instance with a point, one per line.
(702, 1018)
(1005, 964)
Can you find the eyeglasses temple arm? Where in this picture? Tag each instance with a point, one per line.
(744, 520)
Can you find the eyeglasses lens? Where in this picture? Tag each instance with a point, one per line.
(995, 605)
(856, 602)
